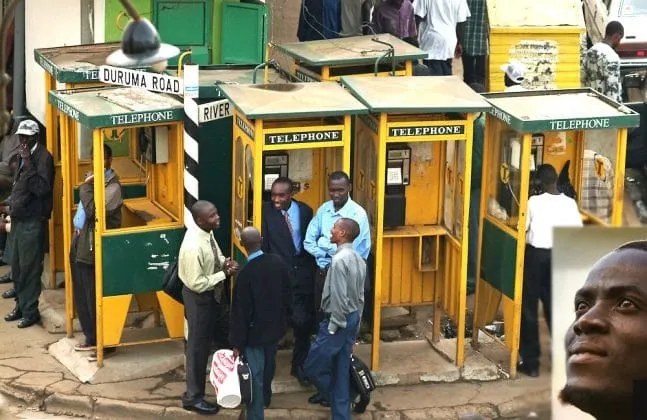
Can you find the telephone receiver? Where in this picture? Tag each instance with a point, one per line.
(144, 143)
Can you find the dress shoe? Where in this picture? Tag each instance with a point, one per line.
(9, 294)
(319, 399)
(301, 377)
(202, 407)
(6, 279)
(28, 322)
(527, 370)
(14, 315)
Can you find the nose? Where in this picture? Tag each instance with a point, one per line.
(594, 321)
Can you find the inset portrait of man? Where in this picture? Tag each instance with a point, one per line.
(606, 343)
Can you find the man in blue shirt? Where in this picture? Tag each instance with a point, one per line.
(317, 241)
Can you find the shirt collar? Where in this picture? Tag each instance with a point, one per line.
(341, 211)
(255, 254)
(289, 207)
(201, 234)
(344, 246)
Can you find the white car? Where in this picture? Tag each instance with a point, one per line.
(633, 16)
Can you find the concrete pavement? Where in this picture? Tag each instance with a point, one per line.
(33, 380)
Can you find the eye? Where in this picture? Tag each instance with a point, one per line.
(626, 304)
(581, 306)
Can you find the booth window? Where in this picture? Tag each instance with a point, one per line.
(249, 183)
(239, 187)
(503, 182)
(598, 177)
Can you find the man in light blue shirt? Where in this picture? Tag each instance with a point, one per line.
(317, 241)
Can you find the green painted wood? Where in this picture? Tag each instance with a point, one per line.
(112, 10)
(239, 257)
(499, 258)
(244, 33)
(136, 262)
(560, 110)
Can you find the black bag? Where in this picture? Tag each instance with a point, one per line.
(245, 380)
(360, 377)
(172, 284)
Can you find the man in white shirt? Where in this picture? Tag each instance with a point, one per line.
(601, 64)
(439, 28)
(203, 270)
(545, 212)
(514, 75)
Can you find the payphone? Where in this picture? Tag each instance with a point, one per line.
(398, 167)
(153, 144)
(275, 165)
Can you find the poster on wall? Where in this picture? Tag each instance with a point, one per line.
(540, 58)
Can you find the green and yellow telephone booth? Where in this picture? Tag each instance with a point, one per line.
(413, 179)
(300, 130)
(579, 132)
(130, 261)
(72, 67)
(326, 60)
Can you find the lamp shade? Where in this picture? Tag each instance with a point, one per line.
(141, 46)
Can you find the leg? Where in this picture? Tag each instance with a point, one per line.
(320, 280)
(546, 288)
(319, 364)
(199, 310)
(447, 67)
(340, 387)
(529, 340)
(468, 68)
(303, 325)
(256, 359)
(268, 373)
(28, 256)
(221, 326)
(479, 69)
(436, 67)
(473, 237)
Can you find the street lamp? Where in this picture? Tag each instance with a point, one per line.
(5, 79)
(141, 45)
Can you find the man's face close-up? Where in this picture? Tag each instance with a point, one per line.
(606, 346)
(338, 189)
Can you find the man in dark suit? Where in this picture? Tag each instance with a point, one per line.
(284, 225)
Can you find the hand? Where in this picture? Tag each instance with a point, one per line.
(23, 151)
(233, 267)
(236, 353)
(3, 225)
(458, 52)
(89, 178)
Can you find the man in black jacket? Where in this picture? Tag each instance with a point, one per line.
(31, 207)
(284, 224)
(259, 316)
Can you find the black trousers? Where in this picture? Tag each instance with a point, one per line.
(439, 67)
(28, 242)
(85, 295)
(303, 326)
(474, 69)
(200, 313)
(320, 280)
(536, 287)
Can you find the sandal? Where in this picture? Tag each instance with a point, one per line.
(84, 347)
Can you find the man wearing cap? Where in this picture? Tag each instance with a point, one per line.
(514, 74)
(31, 207)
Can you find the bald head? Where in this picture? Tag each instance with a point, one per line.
(250, 238)
(205, 215)
(344, 231)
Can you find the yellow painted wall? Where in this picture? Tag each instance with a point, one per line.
(502, 39)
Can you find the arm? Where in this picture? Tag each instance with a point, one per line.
(529, 214)
(190, 271)
(86, 195)
(420, 12)
(286, 289)
(310, 243)
(338, 295)
(79, 217)
(113, 196)
(39, 175)
(241, 309)
(362, 243)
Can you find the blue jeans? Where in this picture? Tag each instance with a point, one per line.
(262, 363)
(328, 365)
(473, 238)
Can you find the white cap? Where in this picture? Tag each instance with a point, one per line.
(515, 71)
(28, 128)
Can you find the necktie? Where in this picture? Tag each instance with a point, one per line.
(219, 289)
(287, 222)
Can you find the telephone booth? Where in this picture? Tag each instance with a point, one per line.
(583, 135)
(299, 130)
(130, 261)
(413, 179)
(72, 67)
(326, 60)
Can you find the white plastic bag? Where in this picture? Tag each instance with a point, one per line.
(224, 378)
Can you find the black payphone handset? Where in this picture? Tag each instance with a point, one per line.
(537, 158)
(398, 175)
(275, 165)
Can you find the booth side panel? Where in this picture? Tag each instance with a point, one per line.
(558, 52)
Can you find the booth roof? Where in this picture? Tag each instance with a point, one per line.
(293, 100)
(409, 95)
(75, 63)
(117, 106)
(533, 13)
(351, 50)
(560, 110)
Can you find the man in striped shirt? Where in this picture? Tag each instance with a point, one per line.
(475, 43)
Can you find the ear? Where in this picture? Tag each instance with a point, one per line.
(350, 187)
